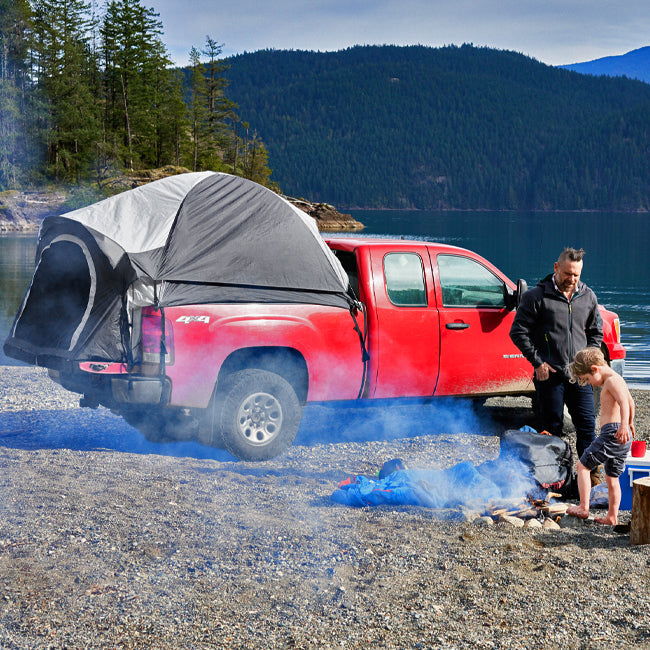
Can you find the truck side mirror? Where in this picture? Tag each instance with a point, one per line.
(522, 287)
(513, 298)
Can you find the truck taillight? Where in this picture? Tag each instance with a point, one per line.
(152, 337)
(617, 330)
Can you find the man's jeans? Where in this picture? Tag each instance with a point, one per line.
(557, 391)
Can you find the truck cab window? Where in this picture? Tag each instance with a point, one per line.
(466, 283)
(405, 279)
(349, 263)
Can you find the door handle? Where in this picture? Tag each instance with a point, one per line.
(457, 326)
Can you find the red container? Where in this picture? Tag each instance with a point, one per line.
(638, 448)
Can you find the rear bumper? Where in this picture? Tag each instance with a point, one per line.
(136, 389)
(114, 390)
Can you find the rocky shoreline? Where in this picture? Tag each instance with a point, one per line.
(107, 541)
(23, 211)
(327, 217)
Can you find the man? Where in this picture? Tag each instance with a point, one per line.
(554, 321)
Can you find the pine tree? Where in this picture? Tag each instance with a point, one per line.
(172, 126)
(14, 88)
(256, 158)
(136, 79)
(197, 111)
(218, 106)
(63, 58)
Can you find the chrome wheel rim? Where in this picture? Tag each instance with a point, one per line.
(259, 418)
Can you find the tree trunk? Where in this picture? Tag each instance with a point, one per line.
(640, 522)
(127, 124)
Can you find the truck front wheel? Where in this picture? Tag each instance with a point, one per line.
(259, 416)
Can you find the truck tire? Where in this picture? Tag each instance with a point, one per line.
(259, 416)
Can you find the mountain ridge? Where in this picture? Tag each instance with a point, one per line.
(459, 127)
(634, 64)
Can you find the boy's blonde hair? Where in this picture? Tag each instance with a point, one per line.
(585, 359)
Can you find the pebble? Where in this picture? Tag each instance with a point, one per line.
(549, 524)
(533, 523)
(206, 552)
(484, 521)
(570, 521)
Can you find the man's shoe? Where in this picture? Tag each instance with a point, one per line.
(597, 475)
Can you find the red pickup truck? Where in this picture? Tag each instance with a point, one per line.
(435, 322)
(181, 354)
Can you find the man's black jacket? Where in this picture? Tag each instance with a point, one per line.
(547, 327)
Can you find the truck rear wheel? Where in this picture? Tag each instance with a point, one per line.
(259, 415)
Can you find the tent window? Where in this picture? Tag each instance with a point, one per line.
(58, 297)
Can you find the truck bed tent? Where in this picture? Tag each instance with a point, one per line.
(201, 237)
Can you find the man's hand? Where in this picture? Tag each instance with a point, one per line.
(543, 372)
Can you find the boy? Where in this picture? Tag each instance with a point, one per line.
(616, 432)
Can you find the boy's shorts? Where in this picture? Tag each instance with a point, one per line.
(605, 450)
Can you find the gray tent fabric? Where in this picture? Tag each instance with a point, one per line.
(258, 242)
(140, 219)
(203, 237)
(73, 306)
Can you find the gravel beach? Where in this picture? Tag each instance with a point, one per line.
(108, 541)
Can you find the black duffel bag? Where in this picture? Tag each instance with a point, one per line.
(548, 458)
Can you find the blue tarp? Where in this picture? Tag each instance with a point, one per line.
(460, 485)
(508, 477)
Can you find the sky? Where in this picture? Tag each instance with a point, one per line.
(554, 32)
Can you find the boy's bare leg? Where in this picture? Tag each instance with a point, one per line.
(614, 492)
(584, 487)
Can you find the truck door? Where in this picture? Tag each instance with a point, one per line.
(476, 353)
(405, 341)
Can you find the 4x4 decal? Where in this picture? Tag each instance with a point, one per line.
(193, 319)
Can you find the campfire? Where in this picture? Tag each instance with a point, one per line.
(532, 513)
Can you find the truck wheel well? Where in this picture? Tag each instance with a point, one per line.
(286, 362)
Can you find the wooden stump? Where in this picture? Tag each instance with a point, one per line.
(640, 522)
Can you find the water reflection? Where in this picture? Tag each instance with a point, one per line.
(16, 268)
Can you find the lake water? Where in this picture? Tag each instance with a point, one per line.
(525, 245)
(521, 244)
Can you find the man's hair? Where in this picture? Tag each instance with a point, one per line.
(585, 359)
(571, 254)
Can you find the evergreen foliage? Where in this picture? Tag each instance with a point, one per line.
(17, 150)
(452, 127)
(84, 97)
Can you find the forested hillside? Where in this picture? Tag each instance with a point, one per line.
(85, 97)
(87, 94)
(455, 127)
